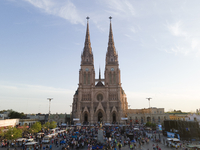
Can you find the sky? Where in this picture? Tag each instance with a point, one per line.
(158, 45)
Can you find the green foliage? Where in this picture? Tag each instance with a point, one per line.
(53, 124)
(46, 125)
(2, 111)
(35, 127)
(13, 133)
(149, 124)
(50, 125)
(14, 114)
(24, 128)
(2, 132)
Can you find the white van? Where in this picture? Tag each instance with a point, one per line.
(39, 135)
(47, 139)
(30, 145)
(21, 140)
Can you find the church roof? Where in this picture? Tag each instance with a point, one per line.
(99, 84)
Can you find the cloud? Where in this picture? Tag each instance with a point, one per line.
(185, 41)
(63, 9)
(120, 8)
(176, 29)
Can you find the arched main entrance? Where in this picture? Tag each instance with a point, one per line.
(100, 117)
(86, 117)
(114, 118)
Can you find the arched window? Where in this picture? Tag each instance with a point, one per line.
(88, 78)
(158, 119)
(110, 76)
(142, 121)
(84, 76)
(114, 78)
(148, 119)
(99, 97)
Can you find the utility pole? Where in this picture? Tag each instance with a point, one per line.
(149, 106)
(150, 113)
(49, 99)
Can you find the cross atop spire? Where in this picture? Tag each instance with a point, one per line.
(110, 18)
(87, 18)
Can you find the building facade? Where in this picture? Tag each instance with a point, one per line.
(177, 115)
(99, 100)
(58, 118)
(141, 116)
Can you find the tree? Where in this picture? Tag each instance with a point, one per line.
(13, 133)
(2, 132)
(14, 114)
(46, 125)
(24, 128)
(35, 127)
(149, 124)
(53, 124)
(49, 125)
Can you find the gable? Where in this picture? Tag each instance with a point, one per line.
(114, 109)
(100, 107)
(85, 110)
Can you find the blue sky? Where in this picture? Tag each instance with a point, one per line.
(41, 41)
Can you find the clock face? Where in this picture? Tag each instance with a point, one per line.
(86, 69)
(112, 69)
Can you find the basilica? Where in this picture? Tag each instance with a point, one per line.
(101, 99)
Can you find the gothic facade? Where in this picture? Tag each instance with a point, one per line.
(99, 100)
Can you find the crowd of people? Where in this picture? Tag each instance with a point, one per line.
(114, 137)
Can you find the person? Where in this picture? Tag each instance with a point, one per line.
(157, 146)
(119, 145)
(131, 146)
(135, 145)
(154, 146)
(50, 147)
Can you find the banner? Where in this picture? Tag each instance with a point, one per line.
(173, 135)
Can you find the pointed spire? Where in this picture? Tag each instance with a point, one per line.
(111, 55)
(99, 73)
(87, 56)
(111, 40)
(87, 37)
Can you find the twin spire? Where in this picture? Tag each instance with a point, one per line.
(87, 38)
(87, 55)
(111, 40)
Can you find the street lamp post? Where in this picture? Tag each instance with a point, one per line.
(49, 107)
(150, 113)
(149, 107)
